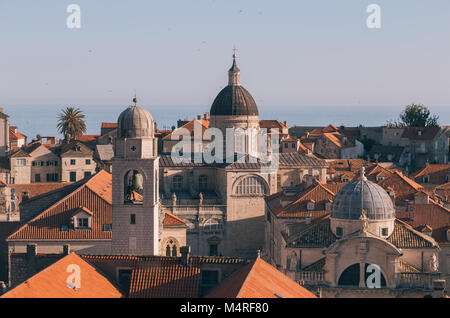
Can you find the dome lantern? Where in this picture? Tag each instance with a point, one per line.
(234, 100)
(135, 122)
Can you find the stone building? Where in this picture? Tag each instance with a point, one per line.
(79, 217)
(42, 161)
(337, 252)
(4, 134)
(77, 162)
(223, 203)
(422, 144)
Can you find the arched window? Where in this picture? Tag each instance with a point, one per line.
(203, 182)
(171, 248)
(177, 183)
(133, 187)
(212, 225)
(250, 186)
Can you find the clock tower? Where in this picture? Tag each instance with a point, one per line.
(136, 219)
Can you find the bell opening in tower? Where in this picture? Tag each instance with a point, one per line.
(133, 187)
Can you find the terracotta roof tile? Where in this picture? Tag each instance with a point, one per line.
(158, 276)
(190, 127)
(93, 195)
(109, 125)
(437, 173)
(52, 282)
(259, 279)
(14, 134)
(170, 219)
(319, 234)
(434, 216)
(268, 124)
(165, 277)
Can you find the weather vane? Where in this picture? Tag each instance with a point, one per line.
(135, 100)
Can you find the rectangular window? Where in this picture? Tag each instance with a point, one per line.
(64, 228)
(384, 231)
(37, 177)
(72, 162)
(56, 163)
(88, 161)
(33, 163)
(83, 222)
(213, 250)
(87, 174)
(339, 231)
(107, 227)
(132, 218)
(73, 176)
(21, 162)
(52, 177)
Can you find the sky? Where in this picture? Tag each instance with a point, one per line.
(177, 52)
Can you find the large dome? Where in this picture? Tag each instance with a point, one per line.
(234, 100)
(362, 194)
(135, 122)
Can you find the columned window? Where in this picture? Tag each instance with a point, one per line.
(250, 186)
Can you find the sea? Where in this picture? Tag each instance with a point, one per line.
(42, 119)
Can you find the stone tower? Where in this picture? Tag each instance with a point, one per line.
(235, 108)
(136, 218)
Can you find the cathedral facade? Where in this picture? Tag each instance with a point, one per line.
(222, 203)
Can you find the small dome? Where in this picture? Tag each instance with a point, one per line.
(349, 202)
(234, 100)
(135, 122)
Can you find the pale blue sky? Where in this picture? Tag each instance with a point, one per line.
(177, 52)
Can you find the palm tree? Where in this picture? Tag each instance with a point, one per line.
(71, 123)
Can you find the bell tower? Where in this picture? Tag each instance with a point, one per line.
(136, 217)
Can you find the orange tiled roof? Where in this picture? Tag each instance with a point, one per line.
(190, 127)
(93, 195)
(14, 135)
(109, 125)
(159, 276)
(87, 138)
(52, 282)
(272, 124)
(297, 205)
(170, 219)
(438, 173)
(259, 279)
(35, 190)
(330, 128)
(404, 188)
(433, 215)
(163, 277)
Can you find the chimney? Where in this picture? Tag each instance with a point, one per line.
(66, 249)
(31, 250)
(3, 288)
(439, 288)
(199, 117)
(185, 251)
